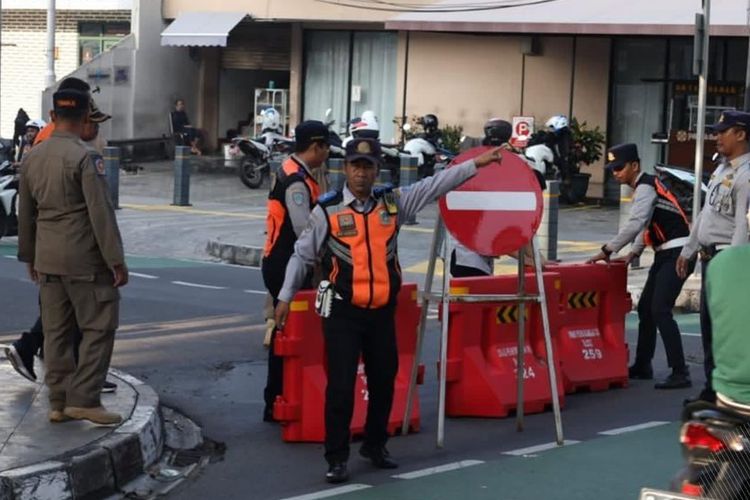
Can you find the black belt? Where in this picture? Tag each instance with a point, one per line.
(708, 252)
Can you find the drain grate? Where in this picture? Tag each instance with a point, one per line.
(212, 450)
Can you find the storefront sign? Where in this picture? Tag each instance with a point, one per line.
(523, 127)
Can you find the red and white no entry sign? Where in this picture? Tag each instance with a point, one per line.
(498, 210)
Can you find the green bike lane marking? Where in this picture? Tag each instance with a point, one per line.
(612, 468)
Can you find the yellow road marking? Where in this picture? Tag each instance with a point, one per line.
(189, 210)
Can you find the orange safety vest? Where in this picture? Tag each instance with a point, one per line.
(360, 254)
(669, 221)
(45, 133)
(280, 236)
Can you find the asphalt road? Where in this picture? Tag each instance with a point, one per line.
(194, 332)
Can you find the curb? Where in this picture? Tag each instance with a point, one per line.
(235, 254)
(98, 468)
(688, 301)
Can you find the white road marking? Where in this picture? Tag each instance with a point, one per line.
(538, 448)
(198, 285)
(257, 292)
(432, 316)
(10, 257)
(146, 276)
(491, 200)
(331, 492)
(437, 470)
(631, 428)
(685, 334)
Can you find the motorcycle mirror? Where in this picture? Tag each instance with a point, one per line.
(329, 112)
(406, 127)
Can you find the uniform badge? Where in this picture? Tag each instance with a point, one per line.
(347, 226)
(298, 198)
(364, 148)
(610, 156)
(389, 199)
(99, 164)
(385, 218)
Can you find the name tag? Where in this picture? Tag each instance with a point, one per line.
(347, 226)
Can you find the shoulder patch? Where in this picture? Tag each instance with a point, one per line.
(379, 191)
(99, 165)
(298, 198)
(330, 198)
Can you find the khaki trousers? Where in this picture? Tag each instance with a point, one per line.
(93, 303)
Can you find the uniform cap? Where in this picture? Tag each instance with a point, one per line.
(363, 149)
(729, 119)
(618, 156)
(71, 100)
(308, 132)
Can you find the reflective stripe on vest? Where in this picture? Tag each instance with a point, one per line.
(669, 220)
(279, 227)
(360, 256)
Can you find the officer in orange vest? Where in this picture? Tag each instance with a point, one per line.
(292, 197)
(354, 232)
(657, 220)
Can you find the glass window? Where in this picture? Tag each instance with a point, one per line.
(95, 38)
(368, 60)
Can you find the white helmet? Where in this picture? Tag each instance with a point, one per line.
(366, 126)
(557, 123)
(270, 119)
(37, 123)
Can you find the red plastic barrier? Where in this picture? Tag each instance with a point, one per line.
(481, 376)
(591, 340)
(301, 408)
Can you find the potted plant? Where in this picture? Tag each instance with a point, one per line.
(586, 148)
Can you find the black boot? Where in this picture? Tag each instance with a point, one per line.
(641, 371)
(678, 379)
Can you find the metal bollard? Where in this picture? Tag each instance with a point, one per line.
(626, 203)
(182, 169)
(112, 169)
(335, 173)
(547, 233)
(408, 175)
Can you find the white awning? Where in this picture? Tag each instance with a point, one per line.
(201, 29)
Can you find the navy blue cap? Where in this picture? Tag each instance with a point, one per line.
(308, 132)
(363, 149)
(729, 119)
(70, 99)
(618, 156)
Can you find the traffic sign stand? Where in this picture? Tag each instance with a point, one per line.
(444, 298)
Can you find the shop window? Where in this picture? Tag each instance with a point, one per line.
(95, 38)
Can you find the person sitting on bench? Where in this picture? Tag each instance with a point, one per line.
(181, 126)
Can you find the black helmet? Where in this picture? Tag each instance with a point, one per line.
(430, 122)
(497, 132)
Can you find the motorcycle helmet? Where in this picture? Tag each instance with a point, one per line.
(270, 119)
(36, 123)
(365, 127)
(430, 123)
(497, 132)
(557, 123)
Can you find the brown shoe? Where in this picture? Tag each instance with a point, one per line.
(58, 417)
(98, 415)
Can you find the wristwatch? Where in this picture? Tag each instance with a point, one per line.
(606, 251)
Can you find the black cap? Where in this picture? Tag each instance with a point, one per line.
(71, 100)
(729, 119)
(73, 83)
(618, 156)
(308, 132)
(363, 149)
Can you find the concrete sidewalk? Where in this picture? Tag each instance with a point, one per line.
(41, 460)
(227, 222)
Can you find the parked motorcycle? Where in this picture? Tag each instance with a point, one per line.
(257, 153)
(427, 146)
(8, 199)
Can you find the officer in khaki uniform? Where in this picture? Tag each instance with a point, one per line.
(69, 238)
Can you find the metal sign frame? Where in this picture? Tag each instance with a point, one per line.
(444, 298)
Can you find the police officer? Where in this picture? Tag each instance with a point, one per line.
(354, 233)
(69, 238)
(657, 220)
(721, 222)
(292, 197)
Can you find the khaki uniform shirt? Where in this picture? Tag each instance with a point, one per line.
(66, 221)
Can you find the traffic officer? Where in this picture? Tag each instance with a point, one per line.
(657, 220)
(354, 233)
(721, 223)
(69, 238)
(293, 194)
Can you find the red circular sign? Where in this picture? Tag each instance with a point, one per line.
(497, 211)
